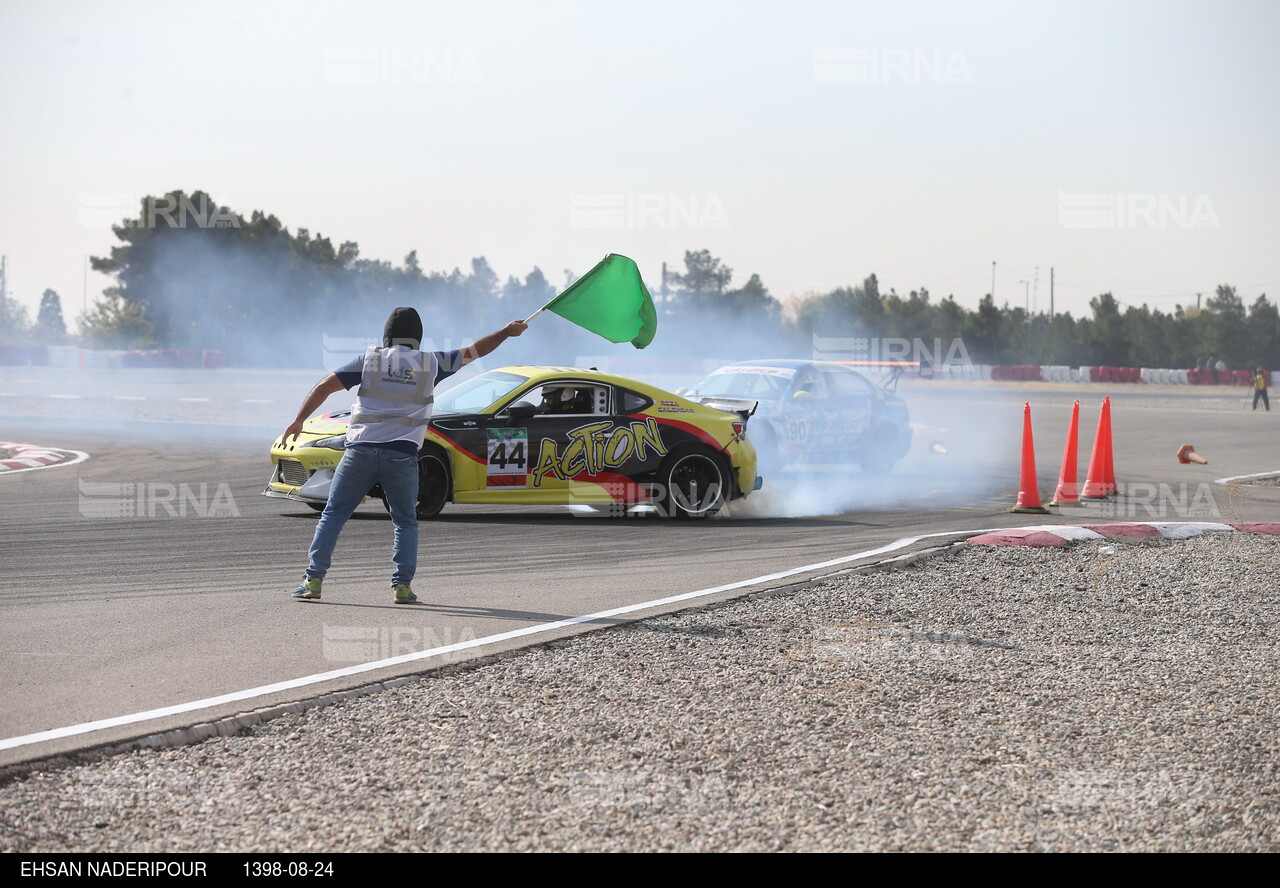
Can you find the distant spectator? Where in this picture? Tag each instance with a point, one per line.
(1260, 389)
(1221, 365)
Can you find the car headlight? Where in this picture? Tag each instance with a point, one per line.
(335, 442)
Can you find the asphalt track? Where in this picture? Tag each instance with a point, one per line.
(106, 617)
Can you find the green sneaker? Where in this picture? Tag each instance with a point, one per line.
(403, 595)
(309, 590)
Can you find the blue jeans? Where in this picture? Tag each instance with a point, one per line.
(357, 472)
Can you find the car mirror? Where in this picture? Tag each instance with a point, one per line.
(521, 410)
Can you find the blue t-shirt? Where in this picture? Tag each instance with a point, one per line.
(350, 374)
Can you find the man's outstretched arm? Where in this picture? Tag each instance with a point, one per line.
(485, 344)
(319, 392)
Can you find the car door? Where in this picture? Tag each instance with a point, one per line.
(532, 455)
(849, 410)
(802, 417)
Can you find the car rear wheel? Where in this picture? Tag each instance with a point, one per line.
(695, 483)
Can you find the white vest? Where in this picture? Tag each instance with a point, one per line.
(393, 403)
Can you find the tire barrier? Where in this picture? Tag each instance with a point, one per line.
(1107, 375)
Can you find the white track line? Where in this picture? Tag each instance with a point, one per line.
(1243, 477)
(264, 690)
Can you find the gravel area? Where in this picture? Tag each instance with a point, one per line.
(992, 699)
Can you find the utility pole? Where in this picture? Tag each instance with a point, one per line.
(4, 281)
(1026, 293)
(993, 280)
(1051, 293)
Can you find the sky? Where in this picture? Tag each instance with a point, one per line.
(1123, 147)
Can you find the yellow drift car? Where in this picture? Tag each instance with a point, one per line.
(551, 436)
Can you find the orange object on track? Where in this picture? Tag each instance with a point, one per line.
(1187, 454)
(1066, 493)
(1096, 477)
(1028, 487)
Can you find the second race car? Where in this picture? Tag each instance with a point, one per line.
(810, 412)
(550, 435)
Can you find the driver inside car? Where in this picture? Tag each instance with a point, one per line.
(565, 400)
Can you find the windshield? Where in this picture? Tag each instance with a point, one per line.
(478, 392)
(757, 383)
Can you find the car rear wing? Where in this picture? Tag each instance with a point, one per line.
(744, 407)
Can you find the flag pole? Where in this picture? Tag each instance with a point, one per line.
(536, 313)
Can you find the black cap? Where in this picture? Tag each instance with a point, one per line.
(403, 327)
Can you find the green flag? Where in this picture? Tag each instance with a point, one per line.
(610, 300)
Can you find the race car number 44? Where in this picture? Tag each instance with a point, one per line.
(508, 457)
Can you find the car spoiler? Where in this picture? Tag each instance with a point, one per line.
(744, 407)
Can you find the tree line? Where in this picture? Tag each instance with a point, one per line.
(190, 273)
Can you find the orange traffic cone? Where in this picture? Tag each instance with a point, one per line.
(1065, 494)
(1187, 454)
(1109, 464)
(1094, 478)
(1028, 487)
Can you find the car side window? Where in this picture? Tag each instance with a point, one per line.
(810, 385)
(631, 402)
(848, 384)
(568, 399)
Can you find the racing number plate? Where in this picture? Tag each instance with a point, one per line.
(508, 464)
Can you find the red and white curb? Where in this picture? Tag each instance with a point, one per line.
(29, 457)
(1065, 534)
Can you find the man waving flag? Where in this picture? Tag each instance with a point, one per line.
(611, 301)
